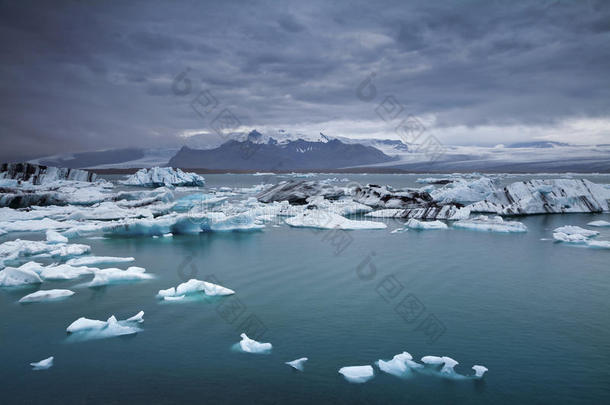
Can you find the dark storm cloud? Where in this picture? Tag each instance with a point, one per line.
(86, 75)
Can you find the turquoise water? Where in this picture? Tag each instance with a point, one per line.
(534, 312)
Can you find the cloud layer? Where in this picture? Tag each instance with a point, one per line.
(89, 75)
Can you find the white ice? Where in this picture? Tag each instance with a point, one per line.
(298, 364)
(42, 364)
(599, 223)
(357, 374)
(55, 237)
(114, 276)
(397, 366)
(46, 295)
(86, 329)
(252, 346)
(194, 286)
(163, 176)
(97, 260)
(479, 371)
(415, 224)
(493, 224)
(65, 272)
(448, 365)
(432, 360)
(15, 277)
(328, 220)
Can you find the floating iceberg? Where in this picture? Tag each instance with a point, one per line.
(448, 365)
(386, 213)
(575, 230)
(15, 277)
(298, 191)
(432, 360)
(163, 176)
(479, 371)
(465, 191)
(577, 235)
(38, 174)
(86, 329)
(194, 286)
(415, 224)
(252, 346)
(97, 260)
(17, 249)
(42, 364)
(46, 295)
(493, 224)
(397, 366)
(546, 197)
(599, 223)
(328, 220)
(65, 272)
(298, 364)
(357, 374)
(114, 276)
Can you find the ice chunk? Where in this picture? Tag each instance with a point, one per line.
(252, 346)
(448, 365)
(432, 360)
(164, 176)
(42, 364)
(55, 237)
(493, 224)
(86, 329)
(14, 277)
(397, 366)
(415, 224)
(174, 298)
(599, 223)
(97, 260)
(46, 295)
(479, 371)
(328, 220)
(113, 276)
(386, 213)
(357, 374)
(576, 230)
(194, 286)
(15, 249)
(170, 292)
(65, 272)
(465, 191)
(298, 364)
(599, 244)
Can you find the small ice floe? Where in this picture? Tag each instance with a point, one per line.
(329, 220)
(191, 287)
(15, 277)
(252, 346)
(400, 230)
(432, 360)
(479, 371)
(448, 365)
(87, 329)
(298, 364)
(580, 236)
(599, 223)
(42, 364)
(415, 224)
(397, 366)
(114, 276)
(46, 295)
(65, 272)
(493, 224)
(55, 237)
(168, 235)
(357, 374)
(572, 230)
(97, 260)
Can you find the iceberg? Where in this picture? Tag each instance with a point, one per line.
(479, 371)
(97, 260)
(17, 249)
(357, 374)
(163, 177)
(385, 213)
(64, 272)
(38, 174)
(194, 286)
(252, 346)
(553, 196)
(328, 220)
(415, 224)
(298, 191)
(397, 366)
(432, 360)
(15, 277)
(46, 295)
(599, 223)
(55, 237)
(576, 230)
(42, 364)
(298, 364)
(114, 276)
(86, 329)
(493, 224)
(448, 365)
(577, 235)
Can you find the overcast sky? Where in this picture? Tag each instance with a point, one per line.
(90, 75)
